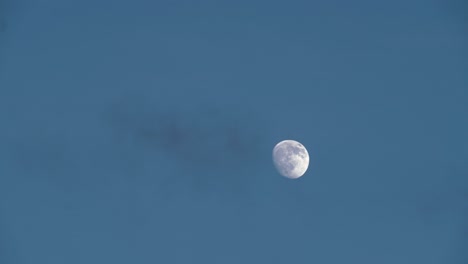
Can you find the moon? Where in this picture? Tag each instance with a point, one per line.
(291, 159)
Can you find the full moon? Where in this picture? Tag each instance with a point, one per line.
(291, 159)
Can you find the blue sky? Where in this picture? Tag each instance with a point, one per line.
(141, 131)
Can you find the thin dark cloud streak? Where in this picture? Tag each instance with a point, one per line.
(216, 149)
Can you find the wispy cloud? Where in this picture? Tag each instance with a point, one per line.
(215, 148)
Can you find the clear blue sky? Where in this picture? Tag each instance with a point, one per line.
(141, 131)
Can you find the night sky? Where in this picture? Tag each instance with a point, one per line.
(142, 131)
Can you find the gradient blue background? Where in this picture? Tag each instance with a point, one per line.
(141, 131)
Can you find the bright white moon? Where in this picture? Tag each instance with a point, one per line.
(291, 159)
